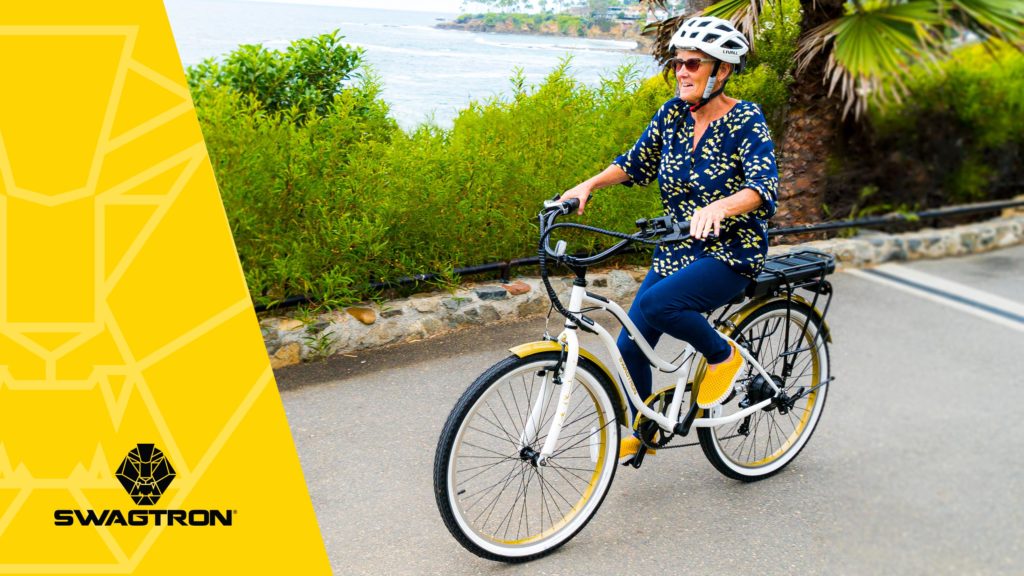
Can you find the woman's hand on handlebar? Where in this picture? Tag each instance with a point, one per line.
(706, 221)
(581, 192)
(610, 176)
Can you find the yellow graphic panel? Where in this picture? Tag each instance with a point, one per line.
(141, 431)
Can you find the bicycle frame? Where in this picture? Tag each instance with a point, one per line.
(569, 338)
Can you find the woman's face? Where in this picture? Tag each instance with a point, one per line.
(691, 84)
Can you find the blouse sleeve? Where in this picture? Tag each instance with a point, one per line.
(757, 155)
(640, 163)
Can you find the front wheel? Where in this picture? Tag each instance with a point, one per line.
(494, 499)
(794, 352)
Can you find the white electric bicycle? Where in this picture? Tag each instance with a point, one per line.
(529, 452)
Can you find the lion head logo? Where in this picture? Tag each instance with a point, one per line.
(145, 473)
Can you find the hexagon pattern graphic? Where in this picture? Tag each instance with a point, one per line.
(120, 292)
(146, 474)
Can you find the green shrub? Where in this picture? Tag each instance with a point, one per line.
(567, 23)
(331, 204)
(770, 65)
(279, 178)
(776, 37)
(303, 78)
(326, 196)
(762, 85)
(960, 128)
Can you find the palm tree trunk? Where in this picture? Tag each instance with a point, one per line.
(813, 124)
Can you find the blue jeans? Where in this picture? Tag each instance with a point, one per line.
(674, 305)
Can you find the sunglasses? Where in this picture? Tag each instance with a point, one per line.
(691, 64)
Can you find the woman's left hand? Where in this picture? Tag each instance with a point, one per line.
(705, 220)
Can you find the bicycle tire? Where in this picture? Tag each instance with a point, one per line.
(478, 451)
(787, 434)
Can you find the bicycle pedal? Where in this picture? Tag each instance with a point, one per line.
(635, 460)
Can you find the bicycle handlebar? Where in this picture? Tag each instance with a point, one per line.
(660, 230)
(657, 231)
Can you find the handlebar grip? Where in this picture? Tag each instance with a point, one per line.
(567, 207)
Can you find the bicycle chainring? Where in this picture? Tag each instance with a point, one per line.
(650, 432)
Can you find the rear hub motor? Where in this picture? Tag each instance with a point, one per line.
(759, 390)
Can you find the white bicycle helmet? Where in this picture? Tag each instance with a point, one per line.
(713, 36)
(717, 38)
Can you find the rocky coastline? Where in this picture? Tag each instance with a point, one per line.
(617, 30)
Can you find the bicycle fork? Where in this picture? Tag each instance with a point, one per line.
(555, 383)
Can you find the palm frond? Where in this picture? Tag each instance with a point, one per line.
(1003, 19)
(743, 13)
(663, 4)
(864, 47)
(662, 32)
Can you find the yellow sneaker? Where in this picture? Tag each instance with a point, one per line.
(630, 445)
(718, 380)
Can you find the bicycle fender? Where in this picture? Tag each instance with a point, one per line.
(530, 348)
(753, 305)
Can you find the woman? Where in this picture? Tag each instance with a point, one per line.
(715, 165)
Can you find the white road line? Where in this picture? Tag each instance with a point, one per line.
(952, 294)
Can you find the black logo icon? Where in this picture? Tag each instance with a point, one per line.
(145, 473)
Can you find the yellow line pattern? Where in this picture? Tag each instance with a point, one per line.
(68, 338)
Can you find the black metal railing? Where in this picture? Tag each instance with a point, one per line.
(505, 267)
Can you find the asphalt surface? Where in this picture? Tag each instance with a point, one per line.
(917, 465)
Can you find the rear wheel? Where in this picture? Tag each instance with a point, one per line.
(793, 351)
(494, 498)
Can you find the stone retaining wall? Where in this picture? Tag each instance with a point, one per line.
(292, 339)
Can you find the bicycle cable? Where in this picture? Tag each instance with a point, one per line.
(542, 253)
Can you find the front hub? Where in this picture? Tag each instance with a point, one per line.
(529, 455)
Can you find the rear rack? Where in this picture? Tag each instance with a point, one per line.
(783, 275)
(787, 272)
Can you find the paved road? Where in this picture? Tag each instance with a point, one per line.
(916, 467)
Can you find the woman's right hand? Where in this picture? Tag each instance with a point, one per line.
(581, 191)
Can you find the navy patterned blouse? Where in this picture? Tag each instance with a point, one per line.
(736, 152)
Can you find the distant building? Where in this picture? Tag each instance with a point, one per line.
(634, 12)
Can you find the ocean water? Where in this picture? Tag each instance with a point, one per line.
(428, 73)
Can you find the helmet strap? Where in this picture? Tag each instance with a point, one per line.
(709, 91)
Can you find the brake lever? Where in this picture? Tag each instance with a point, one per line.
(675, 231)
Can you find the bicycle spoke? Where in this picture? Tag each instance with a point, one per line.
(771, 434)
(507, 411)
(519, 411)
(471, 445)
(501, 499)
(553, 454)
(511, 438)
(489, 434)
(560, 467)
(494, 501)
(554, 490)
(563, 438)
(509, 477)
(567, 481)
